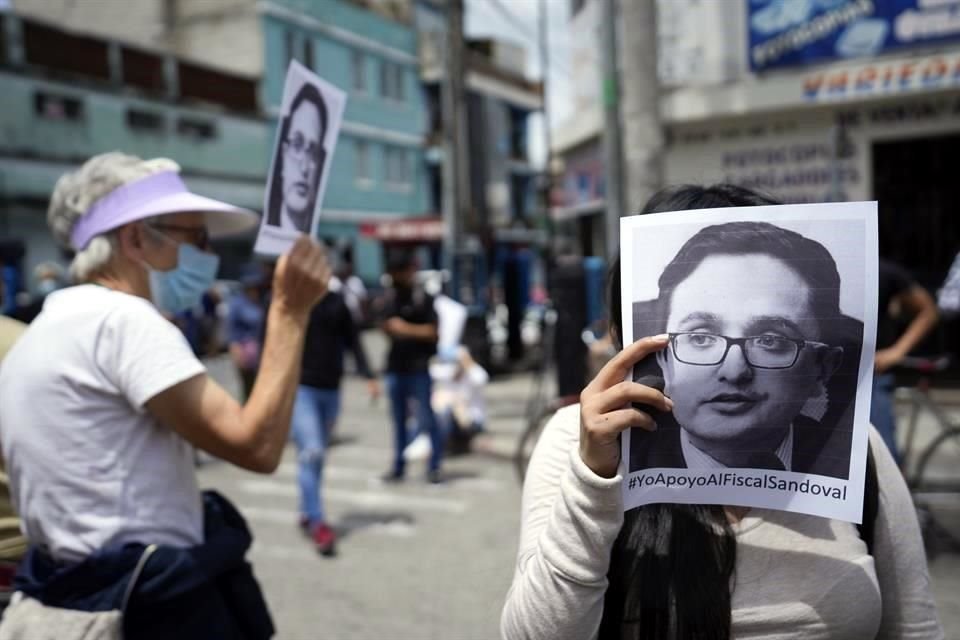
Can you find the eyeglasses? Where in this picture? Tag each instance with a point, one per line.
(302, 151)
(197, 236)
(761, 352)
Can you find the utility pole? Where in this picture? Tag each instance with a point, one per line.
(612, 130)
(456, 170)
(543, 34)
(642, 128)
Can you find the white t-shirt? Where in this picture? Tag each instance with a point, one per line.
(463, 395)
(354, 292)
(88, 465)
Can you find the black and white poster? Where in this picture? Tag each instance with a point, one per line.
(310, 118)
(771, 313)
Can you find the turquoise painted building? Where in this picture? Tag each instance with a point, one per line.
(378, 173)
(65, 97)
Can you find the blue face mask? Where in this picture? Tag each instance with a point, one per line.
(183, 287)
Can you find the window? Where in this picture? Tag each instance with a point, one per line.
(142, 69)
(145, 121)
(61, 51)
(398, 79)
(297, 47)
(398, 167)
(385, 79)
(57, 107)
(196, 129)
(289, 47)
(362, 168)
(391, 81)
(208, 85)
(359, 64)
(307, 53)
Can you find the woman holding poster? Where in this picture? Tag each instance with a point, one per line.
(585, 569)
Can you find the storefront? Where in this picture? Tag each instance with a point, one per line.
(885, 130)
(578, 200)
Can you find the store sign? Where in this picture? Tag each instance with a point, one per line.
(883, 77)
(797, 32)
(583, 178)
(404, 230)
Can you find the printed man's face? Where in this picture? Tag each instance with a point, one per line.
(300, 161)
(733, 405)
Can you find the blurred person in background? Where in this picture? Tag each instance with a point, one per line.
(459, 400)
(354, 292)
(102, 402)
(13, 544)
(330, 333)
(199, 324)
(47, 277)
(410, 322)
(899, 294)
(245, 325)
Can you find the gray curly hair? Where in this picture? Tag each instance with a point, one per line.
(77, 191)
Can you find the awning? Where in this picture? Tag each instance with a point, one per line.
(404, 230)
(520, 235)
(572, 212)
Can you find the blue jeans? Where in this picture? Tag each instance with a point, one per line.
(314, 412)
(881, 412)
(401, 388)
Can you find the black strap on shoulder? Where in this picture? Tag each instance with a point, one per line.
(871, 502)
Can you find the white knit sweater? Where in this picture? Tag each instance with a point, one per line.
(797, 576)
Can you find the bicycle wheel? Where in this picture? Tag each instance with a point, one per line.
(936, 491)
(938, 466)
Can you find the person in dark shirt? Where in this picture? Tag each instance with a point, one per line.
(330, 332)
(896, 287)
(411, 324)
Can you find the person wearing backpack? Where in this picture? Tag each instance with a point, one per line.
(585, 569)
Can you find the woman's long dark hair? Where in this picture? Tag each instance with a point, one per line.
(307, 93)
(672, 566)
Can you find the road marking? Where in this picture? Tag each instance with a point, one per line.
(330, 471)
(348, 450)
(369, 499)
(340, 472)
(393, 527)
(282, 552)
(477, 484)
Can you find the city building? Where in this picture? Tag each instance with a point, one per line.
(840, 100)
(368, 48)
(68, 96)
(378, 174)
(504, 227)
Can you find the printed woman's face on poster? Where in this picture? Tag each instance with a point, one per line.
(301, 168)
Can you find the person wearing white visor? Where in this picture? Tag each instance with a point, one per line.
(102, 401)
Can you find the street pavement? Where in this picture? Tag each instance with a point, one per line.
(415, 561)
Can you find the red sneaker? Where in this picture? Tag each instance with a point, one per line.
(325, 539)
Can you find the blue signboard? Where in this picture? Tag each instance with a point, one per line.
(796, 32)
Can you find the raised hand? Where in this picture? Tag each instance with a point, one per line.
(606, 411)
(301, 277)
